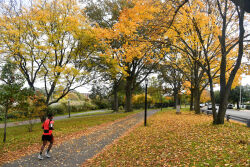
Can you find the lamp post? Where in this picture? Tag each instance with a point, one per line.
(162, 99)
(146, 105)
(161, 102)
(69, 107)
(240, 97)
(240, 101)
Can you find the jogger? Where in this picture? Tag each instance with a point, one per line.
(48, 126)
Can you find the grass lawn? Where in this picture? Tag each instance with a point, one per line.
(19, 139)
(179, 140)
(25, 119)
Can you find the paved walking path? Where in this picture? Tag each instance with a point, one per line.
(10, 124)
(76, 152)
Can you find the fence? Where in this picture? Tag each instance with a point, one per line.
(232, 117)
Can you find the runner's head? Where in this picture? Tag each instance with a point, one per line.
(50, 115)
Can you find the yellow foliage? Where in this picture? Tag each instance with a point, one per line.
(47, 36)
(186, 86)
(168, 98)
(133, 48)
(72, 96)
(205, 96)
(140, 99)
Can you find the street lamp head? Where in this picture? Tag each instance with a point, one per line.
(146, 81)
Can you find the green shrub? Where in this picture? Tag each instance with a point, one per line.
(102, 103)
(1, 109)
(75, 106)
(82, 106)
(12, 115)
(120, 108)
(57, 109)
(82, 97)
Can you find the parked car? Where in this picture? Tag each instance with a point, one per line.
(202, 105)
(209, 107)
(230, 106)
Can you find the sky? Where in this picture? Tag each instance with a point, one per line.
(245, 80)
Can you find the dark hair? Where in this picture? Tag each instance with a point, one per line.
(50, 115)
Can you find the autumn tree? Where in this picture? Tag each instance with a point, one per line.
(32, 107)
(133, 57)
(172, 77)
(100, 95)
(157, 27)
(105, 13)
(138, 31)
(206, 29)
(11, 90)
(50, 42)
(194, 78)
(19, 38)
(185, 40)
(229, 43)
(156, 91)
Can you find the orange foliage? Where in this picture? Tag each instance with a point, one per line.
(205, 96)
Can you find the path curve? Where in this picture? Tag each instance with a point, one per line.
(75, 152)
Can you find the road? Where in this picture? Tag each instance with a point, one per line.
(11, 124)
(244, 114)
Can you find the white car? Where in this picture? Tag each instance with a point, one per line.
(202, 105)
(209, 107)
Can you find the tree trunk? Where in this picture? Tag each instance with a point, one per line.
(197, 101)
(238, 105)
(196, 88)
(177, 104)
(192, 100)
(115, 107)
(128, 102)
(175, 98)
(212, 95)
(223, 107)
(5, 123)
(179, 101)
